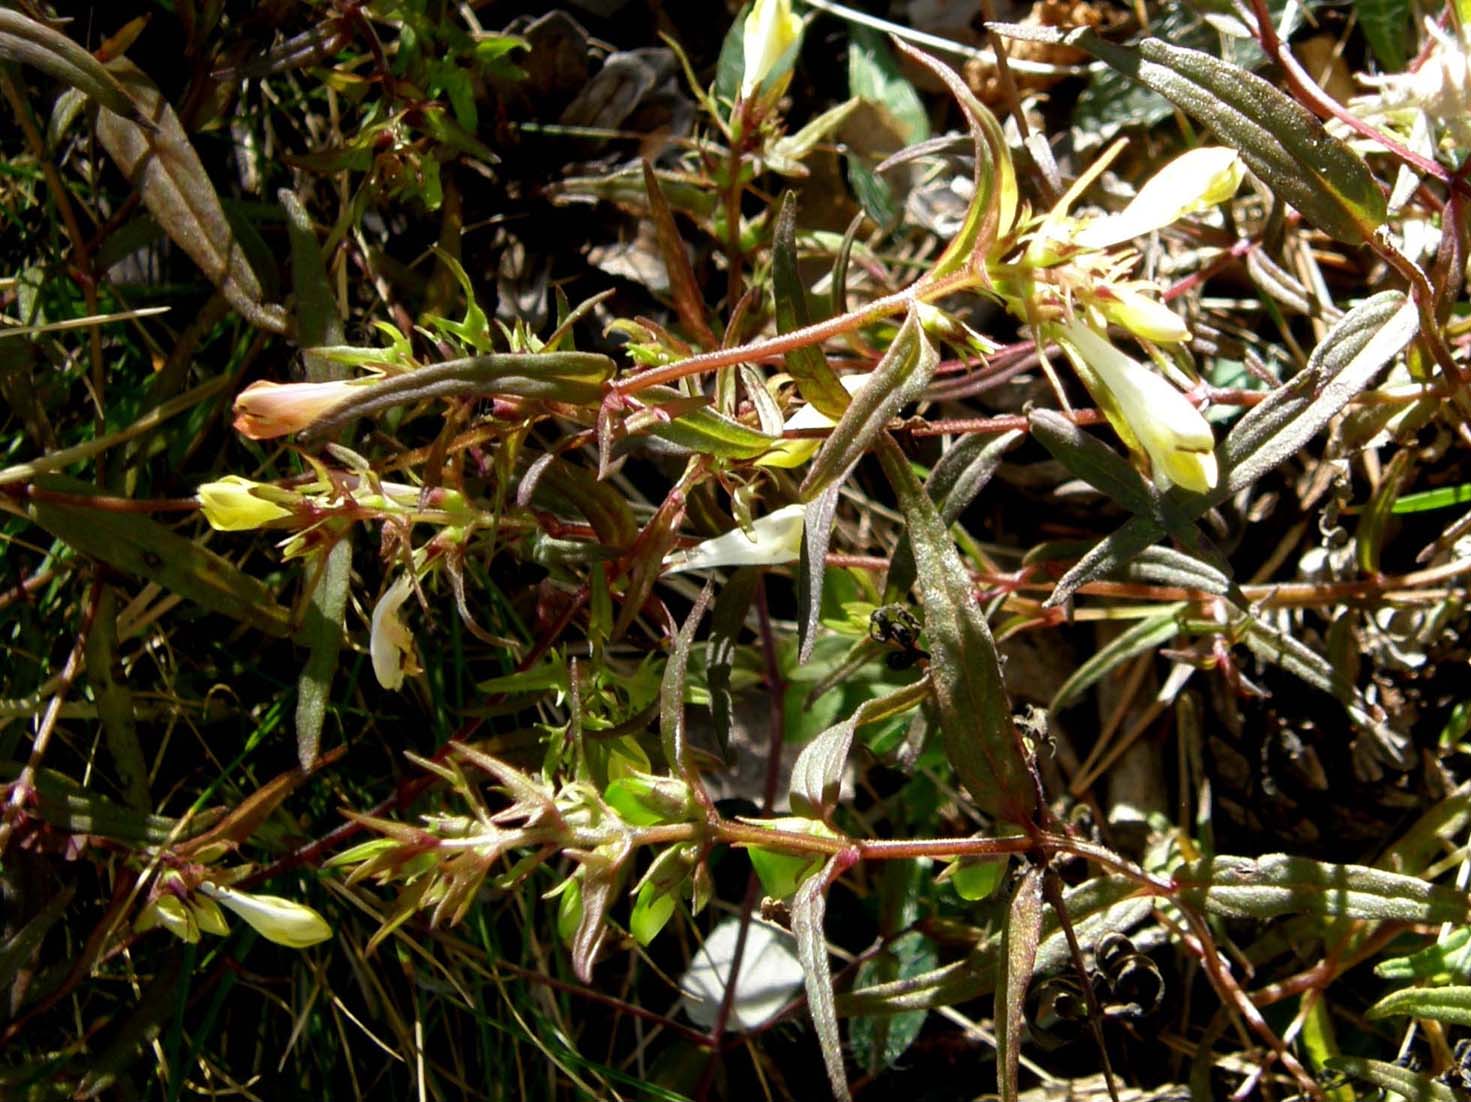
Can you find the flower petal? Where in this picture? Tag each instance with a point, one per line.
(778, 539)
(265, 409)
(230, 505)
(390, 643)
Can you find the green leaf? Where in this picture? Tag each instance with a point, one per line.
(1442, 497)
(975, 880)
(672, 687)
(818, 770)
(688, 301)
(904, 371)
(816, 381)
(873, 193)
(1278, 884)
(26, 42)
(1385, 23)
(1147, 634)
(1448, 959)
(322, 631)
(782, 873)
(1392, 1077)
(808, 907)
(1444, 1004)
(1280, 140)
(1370, 532)
(726, 623)
(731, 65)
(817, 533)
(874, 76)
(994, 195)
(143, 548)
(159, 161)
(706, 430)
(878, 1042)
(651, 910)
(975, 712)
(1019, 939)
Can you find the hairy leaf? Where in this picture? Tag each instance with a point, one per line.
(159, 161)
(26, 42)
(808, 907)
(975, 712)
(816, 381)
(1278, 884)
(1392, 1077)
(1018, 956)
(1444, 1004)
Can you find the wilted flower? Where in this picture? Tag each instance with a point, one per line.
(390, 643)
(771, 30)
(230, 504)
(283, 921)
(775, 538)
(1193, 181)
(1148, 412)
(265, 409)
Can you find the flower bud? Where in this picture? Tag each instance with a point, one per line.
(1141, 315)
(777, 539)
(283, 921)
(230, 504)
(265, 409)
(1149, 413)
(771, 30)
(1193, 181)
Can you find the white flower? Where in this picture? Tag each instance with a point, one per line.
(770, 975)
(771, 30)
(390, 644)
(1193, 181)
(1148, 412)
(777, 539)
(294, 925)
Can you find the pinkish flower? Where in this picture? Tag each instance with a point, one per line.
(264, 409)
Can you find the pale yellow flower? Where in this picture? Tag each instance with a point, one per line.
(771, 30)
(283, 921)
(1193, 181)
(1145, 409)
(390, 643)
(231, 505)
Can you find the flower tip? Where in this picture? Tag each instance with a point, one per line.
(390, 643)
(283, 921)
(231, 505)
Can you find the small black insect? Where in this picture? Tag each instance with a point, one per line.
(896, 626)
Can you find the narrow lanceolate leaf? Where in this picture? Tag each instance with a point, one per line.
(1277, 884)
(816, 381)
(954, 483)
(808, 907)
(25, 41)
(1019, 939)
(136, 545)
(671, 688)
(682, 282)
(726, 623)
(1279, 139)
(560, 376)
(817, 534)
(1345, 362)
(322, 632)
(1154, 631)
(1391, 1077)
(647, 554)
(1444, 1004)
(975, 714)
(706, 430)
(159, 161)
(1090, 459)
(993, 203)
(904, 371)
(1369, 536)
(818, 770)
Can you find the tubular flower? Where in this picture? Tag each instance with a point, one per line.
(775, 538)
(771, 30)
(294, 925)
(793, 453)
(1149, 413)
(230, 504)
(1193, 181)
(264, 409)
(390, 644)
